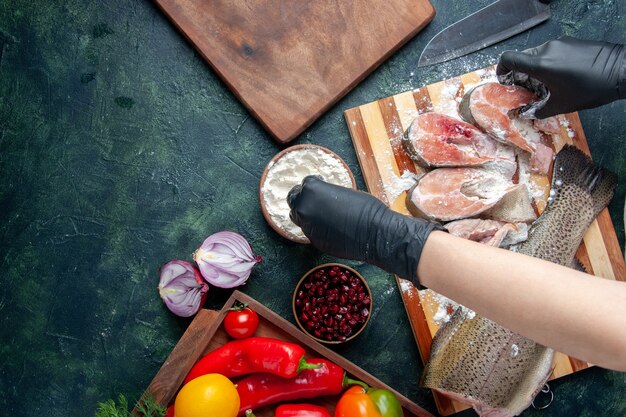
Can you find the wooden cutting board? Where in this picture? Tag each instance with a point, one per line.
(377, 128)
(289, 61)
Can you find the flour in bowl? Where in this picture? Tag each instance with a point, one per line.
(288, 171)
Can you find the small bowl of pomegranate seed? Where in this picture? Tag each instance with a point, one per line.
(332, 303)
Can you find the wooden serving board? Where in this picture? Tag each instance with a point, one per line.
(377, 128)
(206, 333)
(289, 61)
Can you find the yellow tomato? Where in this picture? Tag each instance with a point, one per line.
(208, 395)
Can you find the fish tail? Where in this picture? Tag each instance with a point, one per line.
(572, 166)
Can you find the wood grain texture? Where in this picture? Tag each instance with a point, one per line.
(206, 333)
(377, 133)
(288, 62)
(192, 344)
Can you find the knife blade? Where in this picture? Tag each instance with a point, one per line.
(487, 26)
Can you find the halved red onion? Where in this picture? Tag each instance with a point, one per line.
(182, 288)
(225, 259)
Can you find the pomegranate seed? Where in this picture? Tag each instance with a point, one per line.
(332, 303)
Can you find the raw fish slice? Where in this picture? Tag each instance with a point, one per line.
(457, 193)
(489, 232)
(494, 107)
(477, 361)
(541, 159)
(489, 106)
(437, 140)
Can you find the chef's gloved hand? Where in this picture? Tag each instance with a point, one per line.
(578, 74)
(352, 224)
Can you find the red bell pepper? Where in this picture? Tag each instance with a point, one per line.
(259, 390)
(252, 355)
(301, 410)
(297, 410)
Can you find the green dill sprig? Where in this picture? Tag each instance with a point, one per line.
(146, 407)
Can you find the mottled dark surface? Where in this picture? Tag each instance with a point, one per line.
(120, 149)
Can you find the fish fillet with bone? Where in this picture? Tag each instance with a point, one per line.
(456, 193)
(477, 361)
(494, 108)
(437, 140)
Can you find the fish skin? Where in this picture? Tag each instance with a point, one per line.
(495, 355)
(472, 358)
(437, 140)
(454, 193)
(515, 207)
(570, 204)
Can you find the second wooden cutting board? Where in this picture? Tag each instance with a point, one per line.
(289, 61)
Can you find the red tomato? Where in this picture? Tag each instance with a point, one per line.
(241, 323)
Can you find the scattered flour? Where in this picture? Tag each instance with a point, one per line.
(565, 123)
(449, 98)
(397, 185)
(526, 128)
(288, 171)
(445, 307)
(523, 160)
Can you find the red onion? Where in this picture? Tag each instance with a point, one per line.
(225, 259)
(181, 287)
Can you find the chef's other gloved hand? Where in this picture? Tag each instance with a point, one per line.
(578, 74)
(352, 224)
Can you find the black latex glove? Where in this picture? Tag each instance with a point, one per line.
(578, 74)
(355, 225)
